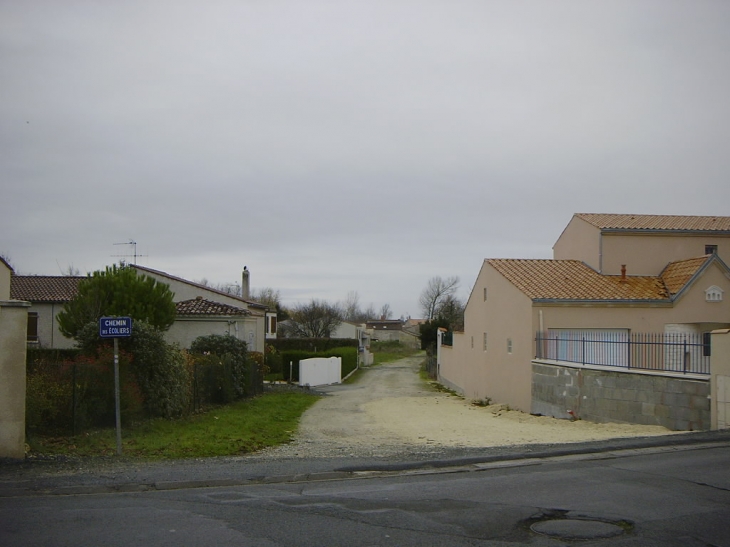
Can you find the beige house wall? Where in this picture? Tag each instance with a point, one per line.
(618, 249)
(13, 326)
(249, 329)
(502, 372)
(49, 336)
(607, 252)
(579, 241)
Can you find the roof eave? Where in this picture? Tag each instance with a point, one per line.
(664, 302)
(666, 231)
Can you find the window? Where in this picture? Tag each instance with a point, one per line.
(710, 249)
(509, 345)
(485, 294)
(706, 344)
(32, 327)
(472, 342)
(485, 341)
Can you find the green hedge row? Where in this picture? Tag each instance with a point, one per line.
(310, 344)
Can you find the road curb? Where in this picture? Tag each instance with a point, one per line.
(625, 448)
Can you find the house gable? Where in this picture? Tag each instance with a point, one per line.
(642, 243)
(186, 290)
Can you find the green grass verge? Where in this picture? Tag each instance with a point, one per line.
(239, 428)
(387, 352)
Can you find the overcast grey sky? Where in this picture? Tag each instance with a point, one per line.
(350, 146)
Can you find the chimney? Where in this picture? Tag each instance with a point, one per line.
(245, 287)
(623, 273)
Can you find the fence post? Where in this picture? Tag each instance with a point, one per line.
(684, 357)
(583, 352)
(73, 399)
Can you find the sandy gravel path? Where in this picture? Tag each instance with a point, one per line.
(390, 409)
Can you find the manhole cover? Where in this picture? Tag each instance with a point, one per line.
(577, 529)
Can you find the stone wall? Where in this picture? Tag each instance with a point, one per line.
(679, 403)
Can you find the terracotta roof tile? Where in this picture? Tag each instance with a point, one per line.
(44, 288)
(657, 222)
(574, 280)
(200, 306)
(677, 274)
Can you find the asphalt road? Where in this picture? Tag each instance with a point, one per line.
(661, 496)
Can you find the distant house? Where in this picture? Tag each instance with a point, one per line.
(210, 309)
(353, 331)
(392, 330)
(612, 275)
(201, 310)
(47, 294)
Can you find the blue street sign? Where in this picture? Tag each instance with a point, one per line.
(115, 327)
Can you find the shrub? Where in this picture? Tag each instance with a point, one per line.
(79, 393)
(158, 367)
(232, 355)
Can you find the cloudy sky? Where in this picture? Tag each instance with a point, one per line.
(336, 146)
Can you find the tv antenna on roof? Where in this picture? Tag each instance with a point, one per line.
(134, 246)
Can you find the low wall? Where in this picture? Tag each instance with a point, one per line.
(720, 373)
(13, 336)
(679, 403)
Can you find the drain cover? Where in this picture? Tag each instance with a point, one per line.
(577, 529)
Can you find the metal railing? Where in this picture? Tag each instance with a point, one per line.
(669, 352)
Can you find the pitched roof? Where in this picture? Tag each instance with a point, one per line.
(665, 223)
(143, 269)
(200, 306)
(44, 288)
(676, 275)
(574, 280)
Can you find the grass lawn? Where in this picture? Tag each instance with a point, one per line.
(245, 426)
(386, 352)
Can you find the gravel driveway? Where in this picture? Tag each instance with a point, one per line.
(391, 411)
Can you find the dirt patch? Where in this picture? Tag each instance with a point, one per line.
(391, 406)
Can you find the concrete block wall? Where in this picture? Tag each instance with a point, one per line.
(597, 395)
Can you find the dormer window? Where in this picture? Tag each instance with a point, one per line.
(713, 294)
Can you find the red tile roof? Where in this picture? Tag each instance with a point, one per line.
(200, 306)
(657, 222)
(574, 280)
(44, 288)
(677, 274)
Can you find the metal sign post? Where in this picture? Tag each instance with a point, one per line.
(116, 327)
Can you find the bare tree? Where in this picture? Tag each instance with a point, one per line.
(351, 307)
(437, 291)
(71, 271)
(451, 310)
(369, 313)
(317, 319)
(385, 311)
(268, 297)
